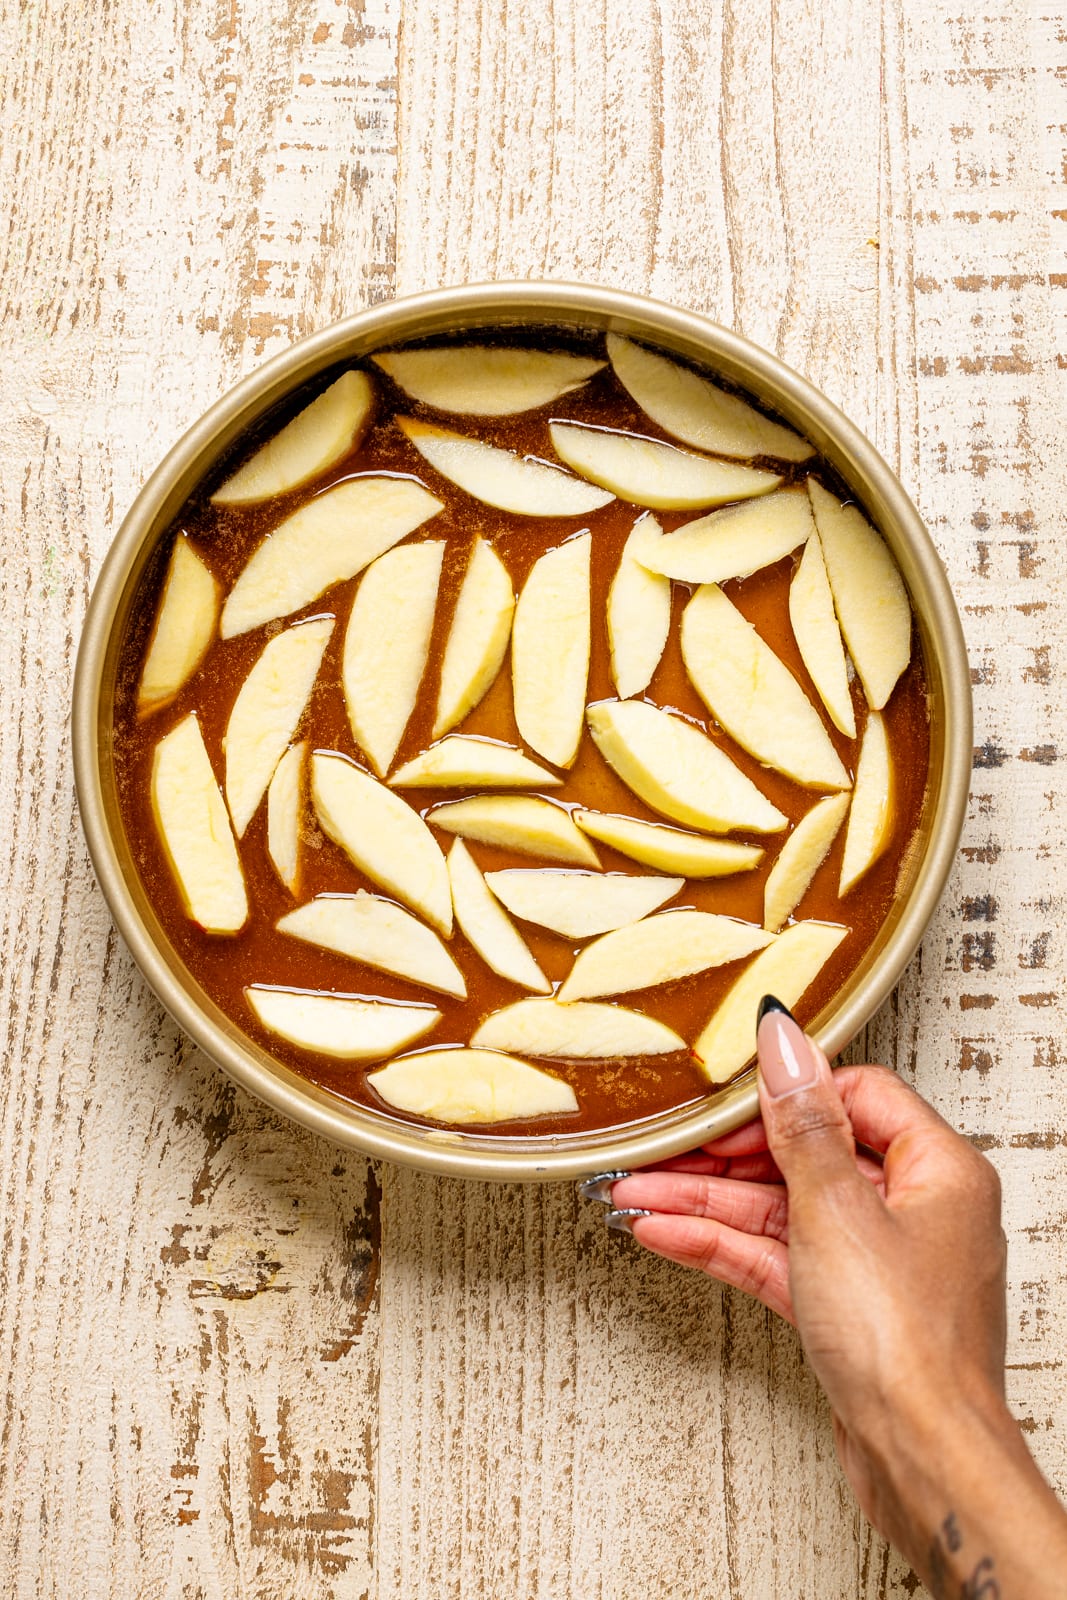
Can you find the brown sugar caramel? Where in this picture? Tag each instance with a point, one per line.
(610, 1094)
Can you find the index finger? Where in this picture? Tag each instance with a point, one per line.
(880, 1107)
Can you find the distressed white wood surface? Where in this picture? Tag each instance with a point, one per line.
(234, 1362)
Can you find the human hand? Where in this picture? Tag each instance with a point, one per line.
(856, 1212)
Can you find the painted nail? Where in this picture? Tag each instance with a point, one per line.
(599, 1186)
(623, 1221)
(771, 1002)
(787, 1062)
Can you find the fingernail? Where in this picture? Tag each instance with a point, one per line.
(599, 1186)
(623, 1221)
(771, 1002)
(787, 1062)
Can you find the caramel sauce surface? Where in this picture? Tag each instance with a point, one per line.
(610, 1094)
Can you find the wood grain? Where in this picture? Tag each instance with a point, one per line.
(236, 1362)
(186, 1285)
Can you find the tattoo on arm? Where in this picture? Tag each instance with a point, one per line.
(982, 1583)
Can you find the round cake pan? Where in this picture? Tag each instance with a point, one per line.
(468, 309)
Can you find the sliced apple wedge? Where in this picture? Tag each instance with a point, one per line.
(639, 614)
(305, 448)
(669, 849)
(731, 543)
(660, 949)
(648, 473)
(753, 694)
(459, 761)
(869, 594)
(677, 770)
(194, 828)
(477, 380)
(325, 542)
(341, 1025)
(285, 803)
(478, 637)
(378, 934)
(265, 714)
(868, 823)
(580, 904)
(818, 637)
(800, 859)
(386, 645)
(185, 626)
(517, 822)
(579, 1032)
(699, 413)
(488, 927)
(785, 969)
(472, 1086)
(500, 478)
(550, 651)
(382, 834)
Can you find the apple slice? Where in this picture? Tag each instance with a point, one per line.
(386, 645)
(550, 651)
(327, 541)
(265, 714)
(185, 626)
(800, 859)
(517, 822)
(488, 927)
(869, 594)
(580, 904)
(378, 934)
(460, 761)
(648, 473)
(753, 694)
(669, 849)
(472, 1086)
(660, 949)
(285, 802)
(341, 1025)
(195, 831)
(305, 448)
(500, 478)
(699, 413)
(868, 823)
(639, 614)
(677, 770)
(785, 969)
(582, 1031)
(477, 380)
(732, 543)
(384, 837)
(478, 637)
(818, 637)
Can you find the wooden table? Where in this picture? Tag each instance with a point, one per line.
(237, 1362)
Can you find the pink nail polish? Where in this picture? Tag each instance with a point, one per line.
(787, 1062)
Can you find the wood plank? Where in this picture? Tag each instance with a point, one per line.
(188, 1286)
(973, 390)
(701, 1403)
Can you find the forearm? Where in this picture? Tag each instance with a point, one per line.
(969, 1508)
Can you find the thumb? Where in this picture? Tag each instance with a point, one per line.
(807, 1127)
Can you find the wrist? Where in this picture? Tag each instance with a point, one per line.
(963, 1498)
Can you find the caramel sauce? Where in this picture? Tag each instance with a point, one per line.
(612, 1093)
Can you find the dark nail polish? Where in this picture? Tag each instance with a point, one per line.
(770, 1002)
(599, 1186)
(623, 1221)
